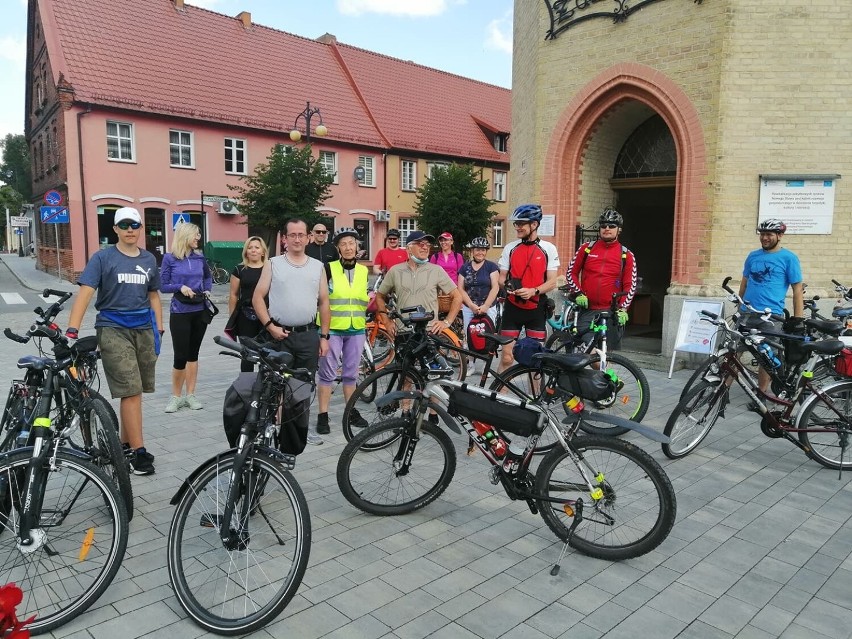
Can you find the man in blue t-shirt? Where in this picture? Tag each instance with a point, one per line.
(767, 273)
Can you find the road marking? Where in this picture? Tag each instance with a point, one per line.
(13, 298)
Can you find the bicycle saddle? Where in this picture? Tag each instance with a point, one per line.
(842, 312)
(35, 362)
(500, 339)
(563, 361)
(824, 346)
(829, 327)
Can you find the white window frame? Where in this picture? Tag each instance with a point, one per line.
(499, 186)
(328, 161)
(408, 175)
(238, 148)
(431, 166)
(368, 163)
(498, 233)
(501, 142)
(406, 225)
(118, 139)
(182, 147)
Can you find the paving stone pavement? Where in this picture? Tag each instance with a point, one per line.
(762, 546)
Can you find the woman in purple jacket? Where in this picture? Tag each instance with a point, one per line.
(185, 273)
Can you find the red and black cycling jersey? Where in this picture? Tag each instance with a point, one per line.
(528, 263)
(600, 269)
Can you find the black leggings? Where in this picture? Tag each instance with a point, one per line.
(187, 330)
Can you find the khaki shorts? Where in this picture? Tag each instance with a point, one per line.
(129, 360)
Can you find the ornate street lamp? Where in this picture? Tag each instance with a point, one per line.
(321, 130)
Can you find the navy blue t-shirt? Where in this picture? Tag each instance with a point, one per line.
(477, 284)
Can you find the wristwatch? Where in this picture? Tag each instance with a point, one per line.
(325, 335)
(537, 292)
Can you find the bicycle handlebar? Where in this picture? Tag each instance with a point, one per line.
(766, 314)
(250, 348)
(15, 337)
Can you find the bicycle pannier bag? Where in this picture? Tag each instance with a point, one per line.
(524, 350)
(491, 410)
(480, 324)
(843, 363)
(587, 383)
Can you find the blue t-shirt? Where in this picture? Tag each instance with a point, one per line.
(477, 284)
(122, 282)
(769, 275)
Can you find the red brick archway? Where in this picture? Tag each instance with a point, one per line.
(562, 183)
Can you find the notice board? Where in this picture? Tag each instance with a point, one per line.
(693, 334)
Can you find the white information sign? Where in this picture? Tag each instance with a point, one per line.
(693, 334)
(806, 206)
(547, 228)
(19, 220)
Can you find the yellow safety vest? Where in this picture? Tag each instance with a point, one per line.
(348, 301)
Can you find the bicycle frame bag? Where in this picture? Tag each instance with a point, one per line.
(843, 362)
(478, 325)
(524, 350)
(587, 383)
(492, 408)
(794, 349)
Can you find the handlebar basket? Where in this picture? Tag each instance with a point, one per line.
(492, 410)
(587, 383)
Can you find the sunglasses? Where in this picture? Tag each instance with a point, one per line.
(320, 232)
(129, 225)
(609, 226)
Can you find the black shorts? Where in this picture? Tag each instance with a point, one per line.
(532, 320)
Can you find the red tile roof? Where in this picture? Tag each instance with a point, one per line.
(147, 55)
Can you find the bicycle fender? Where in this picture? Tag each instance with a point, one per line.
(448, 419)
(71, 452)
(650, 433)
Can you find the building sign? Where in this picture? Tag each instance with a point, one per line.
(566, 13)
(804, 203)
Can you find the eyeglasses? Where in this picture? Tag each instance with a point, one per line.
(609, 226)
(129, 225)
(297, 236)
(520, 224)
(444, 239)
(420, 243)
(393, 239)
(320, 232)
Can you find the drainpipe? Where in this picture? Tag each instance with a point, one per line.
(83, 180)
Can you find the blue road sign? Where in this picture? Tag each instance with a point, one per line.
(54, 214)
(179, 218)
(53, 198)
(19, 231)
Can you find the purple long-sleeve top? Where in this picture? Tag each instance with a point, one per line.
(192, 271)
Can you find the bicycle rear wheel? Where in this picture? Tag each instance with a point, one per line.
(631, 515)
(80, 541)
(828, 434)
(530, 382)
(233, 591)
(386, 470)
(693, 418)
(456, 360)
(388, 379)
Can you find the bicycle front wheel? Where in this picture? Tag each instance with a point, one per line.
(236, 589)
(78, 545)
(630, 508)
(828, 427)
(693, 418)
(363, 399)
(387, 470)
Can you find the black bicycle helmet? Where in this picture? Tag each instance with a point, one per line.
(526, 213)
(610, 216)
(771, 225)
(480, 242)
(345, 231)
(394, 233)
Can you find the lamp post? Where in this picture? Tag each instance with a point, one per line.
(321, 130)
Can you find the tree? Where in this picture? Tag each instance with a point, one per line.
(15, 169)
(292, 183)
(454, 199)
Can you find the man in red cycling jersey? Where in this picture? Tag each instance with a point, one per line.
(598, 270)
(528, 270)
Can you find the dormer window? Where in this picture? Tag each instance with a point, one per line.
(501, 142)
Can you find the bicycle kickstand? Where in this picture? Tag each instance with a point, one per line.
(578, 517)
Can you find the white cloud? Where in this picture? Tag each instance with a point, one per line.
(408, 8)
(500, 34)
(14, 49)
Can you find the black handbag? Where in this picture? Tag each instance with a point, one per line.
(209, 311)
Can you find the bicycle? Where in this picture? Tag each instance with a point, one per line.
(74, 399)
(219, 273)
(633, 395)
(64, 525)
(823, 420)
(240, 537)
(603, 496)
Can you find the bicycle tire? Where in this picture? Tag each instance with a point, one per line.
(637, 495)
(383, 348)
(368, 474)
(697, 375)
(270, 565)
(825, 447)
(530, 381)
(693, 417)
(365, 369)
(101, 442)
(92, 504)
(388, 379)
(10, 423)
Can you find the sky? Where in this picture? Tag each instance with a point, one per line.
(472, 38)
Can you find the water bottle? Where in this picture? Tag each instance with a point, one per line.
(513, 456)
(769, 355)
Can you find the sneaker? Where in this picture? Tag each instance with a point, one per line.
(314, 439)
(192, 402)
(174, 404)
(356, 420)
(322, 424)
(142, 462)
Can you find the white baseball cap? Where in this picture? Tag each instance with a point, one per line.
(127, 213)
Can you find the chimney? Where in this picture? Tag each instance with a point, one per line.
(245, 17)
(178, 4)
(327, 38)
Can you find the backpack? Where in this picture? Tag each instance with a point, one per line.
(476, 342)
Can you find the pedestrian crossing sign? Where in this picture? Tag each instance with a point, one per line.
(179, 218)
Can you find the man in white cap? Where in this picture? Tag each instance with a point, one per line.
(129, 325)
